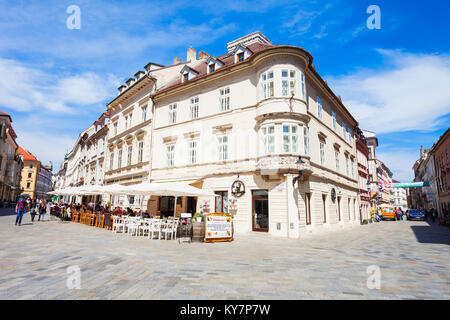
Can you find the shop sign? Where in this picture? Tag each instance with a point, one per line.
(237, 188)
(218, 227)
(186, 215)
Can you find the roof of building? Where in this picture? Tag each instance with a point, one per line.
(4, 114)
(26, 154)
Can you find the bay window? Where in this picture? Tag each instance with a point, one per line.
(290, 138)
(288, 83)
(267, 84)
(319, 108)
(306, 140)
(268, 139)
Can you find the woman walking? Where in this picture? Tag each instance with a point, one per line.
(41, 209)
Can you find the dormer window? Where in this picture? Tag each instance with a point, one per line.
(241, 53)
(187, 74)
(213, 64)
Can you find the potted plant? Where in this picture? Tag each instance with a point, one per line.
(198, 216)
(232, 206)
(204, 207)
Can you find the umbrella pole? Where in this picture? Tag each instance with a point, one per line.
(175, 207)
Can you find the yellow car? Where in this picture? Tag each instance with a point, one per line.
(388, 212)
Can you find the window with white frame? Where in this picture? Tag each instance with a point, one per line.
(347, 169)
(144, 113)
(170, 155)
(224, 99)
(319, 108)
(290, 138)
(222, 148)
(322, 152)
(349, 135)
(111, 161)
(194, 107)
(115, 129)
(173, 113)
(288, 83)
(336, 157)
(353, 168)
(126, 123)
(303, 86)
(119, 159)
(333, 114)
(306, 140)
(267, 84)
(268, 139)
(344, 131)
(192, 152)
(130, 152)
(141, 151)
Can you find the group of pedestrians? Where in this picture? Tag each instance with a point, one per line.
(36, 207)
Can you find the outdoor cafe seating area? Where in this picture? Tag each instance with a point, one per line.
(152, 226)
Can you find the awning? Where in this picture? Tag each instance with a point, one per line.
(175, 189)
(411, 184)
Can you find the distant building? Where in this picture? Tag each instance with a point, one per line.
(399, 197)
(424, 171)
(440, 152)
(36, 179)
(10, 162)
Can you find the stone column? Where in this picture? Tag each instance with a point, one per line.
(292, 210)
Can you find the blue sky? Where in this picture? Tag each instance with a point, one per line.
(55, 82)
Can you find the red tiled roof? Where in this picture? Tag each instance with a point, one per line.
(5, 114)
(26, 155)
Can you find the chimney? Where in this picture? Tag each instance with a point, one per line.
(203, 55)
(191, 54)
(176, 60)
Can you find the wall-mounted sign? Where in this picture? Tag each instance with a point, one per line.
(218, 227)
(237, 188)
(333, 194)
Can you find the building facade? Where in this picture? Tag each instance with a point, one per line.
(259, 126)
(10, 162)
(440, 153)
(30, 172)
(362, 156)
(399, 197)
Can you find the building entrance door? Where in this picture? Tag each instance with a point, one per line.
(260, 217)
(191, 205)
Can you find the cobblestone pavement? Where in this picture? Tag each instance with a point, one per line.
(414, 259)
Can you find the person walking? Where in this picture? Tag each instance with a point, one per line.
(433, 215)
(20, 208)
(33, 208)
(41, 209)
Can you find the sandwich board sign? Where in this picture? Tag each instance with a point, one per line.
(218, 227)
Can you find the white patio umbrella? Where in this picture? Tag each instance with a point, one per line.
(115, 189)
(174, 189)
(91, 190)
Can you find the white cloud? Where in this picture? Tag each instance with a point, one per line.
(24, 88)
(400, 161)
(411, 93)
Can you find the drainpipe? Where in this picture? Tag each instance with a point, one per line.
(152, 127)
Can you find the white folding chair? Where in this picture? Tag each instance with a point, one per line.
(175, 228)
(155, 226)
(118, 224)
(133, 226)
(167, 228)
(145, 226)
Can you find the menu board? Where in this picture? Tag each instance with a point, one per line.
(218, 227)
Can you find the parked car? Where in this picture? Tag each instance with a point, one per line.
(388, 212)
(415, 214)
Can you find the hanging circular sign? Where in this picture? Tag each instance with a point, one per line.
(237, 188)
(333, 194)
